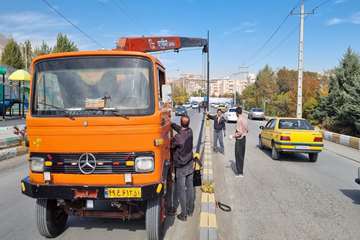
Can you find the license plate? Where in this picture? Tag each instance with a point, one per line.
(123, 193)
(302, 147)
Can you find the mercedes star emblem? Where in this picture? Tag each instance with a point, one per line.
(87, 163)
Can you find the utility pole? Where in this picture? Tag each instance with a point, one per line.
(208, 71)
(300, 62)
(301, 58)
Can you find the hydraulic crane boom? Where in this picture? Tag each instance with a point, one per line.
(154, 44)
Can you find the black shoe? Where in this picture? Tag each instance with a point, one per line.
(182, 217)
(190, 213)
(171, 211)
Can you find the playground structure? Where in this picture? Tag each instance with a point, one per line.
(14, 97)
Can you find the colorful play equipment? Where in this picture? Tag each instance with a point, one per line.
(9, 96)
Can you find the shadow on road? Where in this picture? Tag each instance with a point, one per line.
(232, 166)
(353, 194)
(287, 157)
(105, 223)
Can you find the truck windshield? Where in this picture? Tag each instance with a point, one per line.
(103, 85)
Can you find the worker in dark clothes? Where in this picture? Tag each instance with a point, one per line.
(182, 145)
(219, 130)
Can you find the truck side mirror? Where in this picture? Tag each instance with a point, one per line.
(261, 127)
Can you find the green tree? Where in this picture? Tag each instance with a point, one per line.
(266, 89)
(27, 53)
(180, 96)
(43, 49)
(340, 110)
(64, 44)
(249, 96)
(12, 55)
(198, 93)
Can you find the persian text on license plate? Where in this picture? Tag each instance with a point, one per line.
(122, 192)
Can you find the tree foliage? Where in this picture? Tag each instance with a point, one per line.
(27, 53)
(277, 92)
(12, 55)
(340, 110)
(180, 96)
(64, 44)
(43, 49)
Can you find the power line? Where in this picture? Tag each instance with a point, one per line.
(320, 5)
(131, 19)
(290, 33)
(274, 32)
(72, 24)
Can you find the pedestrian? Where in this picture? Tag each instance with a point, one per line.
(199, 108)
(240, 136)
(182, 146)
(219, 130)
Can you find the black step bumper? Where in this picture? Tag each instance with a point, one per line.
(66, 192)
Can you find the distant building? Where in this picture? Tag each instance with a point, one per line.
(225, 86)
(192, 82)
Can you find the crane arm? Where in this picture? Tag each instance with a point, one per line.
(158, 43)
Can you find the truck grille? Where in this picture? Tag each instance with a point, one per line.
(68, 162)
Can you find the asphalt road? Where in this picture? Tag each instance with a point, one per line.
(288, 199)
(17, 212)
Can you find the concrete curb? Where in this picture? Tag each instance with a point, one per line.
(341, 139)
(9, 142)
(12, 152)
(208, 225)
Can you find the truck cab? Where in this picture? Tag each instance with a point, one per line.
(99, 139)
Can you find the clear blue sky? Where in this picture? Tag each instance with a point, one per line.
(237, 28)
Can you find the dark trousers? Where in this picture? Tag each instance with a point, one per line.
(240, 154)
(185, 193)
(218, 135)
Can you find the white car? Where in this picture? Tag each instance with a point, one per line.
(215, 105)
(187, 105)
(230, 115)
(194, 105)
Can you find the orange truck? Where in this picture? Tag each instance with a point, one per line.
(99, 137)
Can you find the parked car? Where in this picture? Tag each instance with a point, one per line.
(214, 105)
(357, 180)
(222, 107)
(195, 105)
(256, 113)
(187, 105)
(230, 115)
(293, 135)
(180, 111)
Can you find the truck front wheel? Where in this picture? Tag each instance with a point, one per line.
(51, 219)
(153, 219)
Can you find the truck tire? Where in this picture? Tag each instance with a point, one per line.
(274, 153)
(153, 219)
(51, 219)
(313, 157)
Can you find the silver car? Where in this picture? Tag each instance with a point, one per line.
(256, 113)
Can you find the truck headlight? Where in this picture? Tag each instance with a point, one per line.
(144, 164)
(37, 164)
